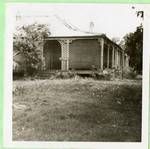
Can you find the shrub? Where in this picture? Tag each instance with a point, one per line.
(129, 73)
(101, 75)
(28, 42)
(63, 75)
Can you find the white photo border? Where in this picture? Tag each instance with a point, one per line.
(7, 125)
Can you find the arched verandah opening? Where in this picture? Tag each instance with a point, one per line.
(52, 54)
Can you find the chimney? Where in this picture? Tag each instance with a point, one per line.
(91, 28)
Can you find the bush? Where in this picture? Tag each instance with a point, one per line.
(129, 73)
(102, 75)
(63, 75)
(31, 71)
(28, 42)
(18, 75)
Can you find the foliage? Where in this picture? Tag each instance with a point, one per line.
(27, 41)
(129, 73)
(63, 75)
(134, 48)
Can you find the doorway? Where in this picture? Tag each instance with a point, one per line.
(52, 54)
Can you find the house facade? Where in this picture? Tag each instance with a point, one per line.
(82, 53)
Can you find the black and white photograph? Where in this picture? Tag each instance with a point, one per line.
(77, 73)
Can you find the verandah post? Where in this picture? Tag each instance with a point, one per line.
(67, 54)
(102, 52)
(108, 56)
(113, 52)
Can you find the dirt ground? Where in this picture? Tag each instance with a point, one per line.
(77, 110)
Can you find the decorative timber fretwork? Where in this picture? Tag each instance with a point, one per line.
(65, 53)
(110, 54)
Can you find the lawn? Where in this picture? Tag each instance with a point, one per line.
(77, 110)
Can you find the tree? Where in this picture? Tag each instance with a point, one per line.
(134, 48)
(27, 41)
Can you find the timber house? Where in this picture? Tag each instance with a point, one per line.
(82, 53)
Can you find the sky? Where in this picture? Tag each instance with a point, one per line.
(114, 20)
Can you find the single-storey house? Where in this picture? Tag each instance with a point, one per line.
(82, 53)
(68, 49)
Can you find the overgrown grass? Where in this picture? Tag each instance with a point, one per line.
(77, 110)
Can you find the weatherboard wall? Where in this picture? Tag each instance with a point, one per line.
(83, 53)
